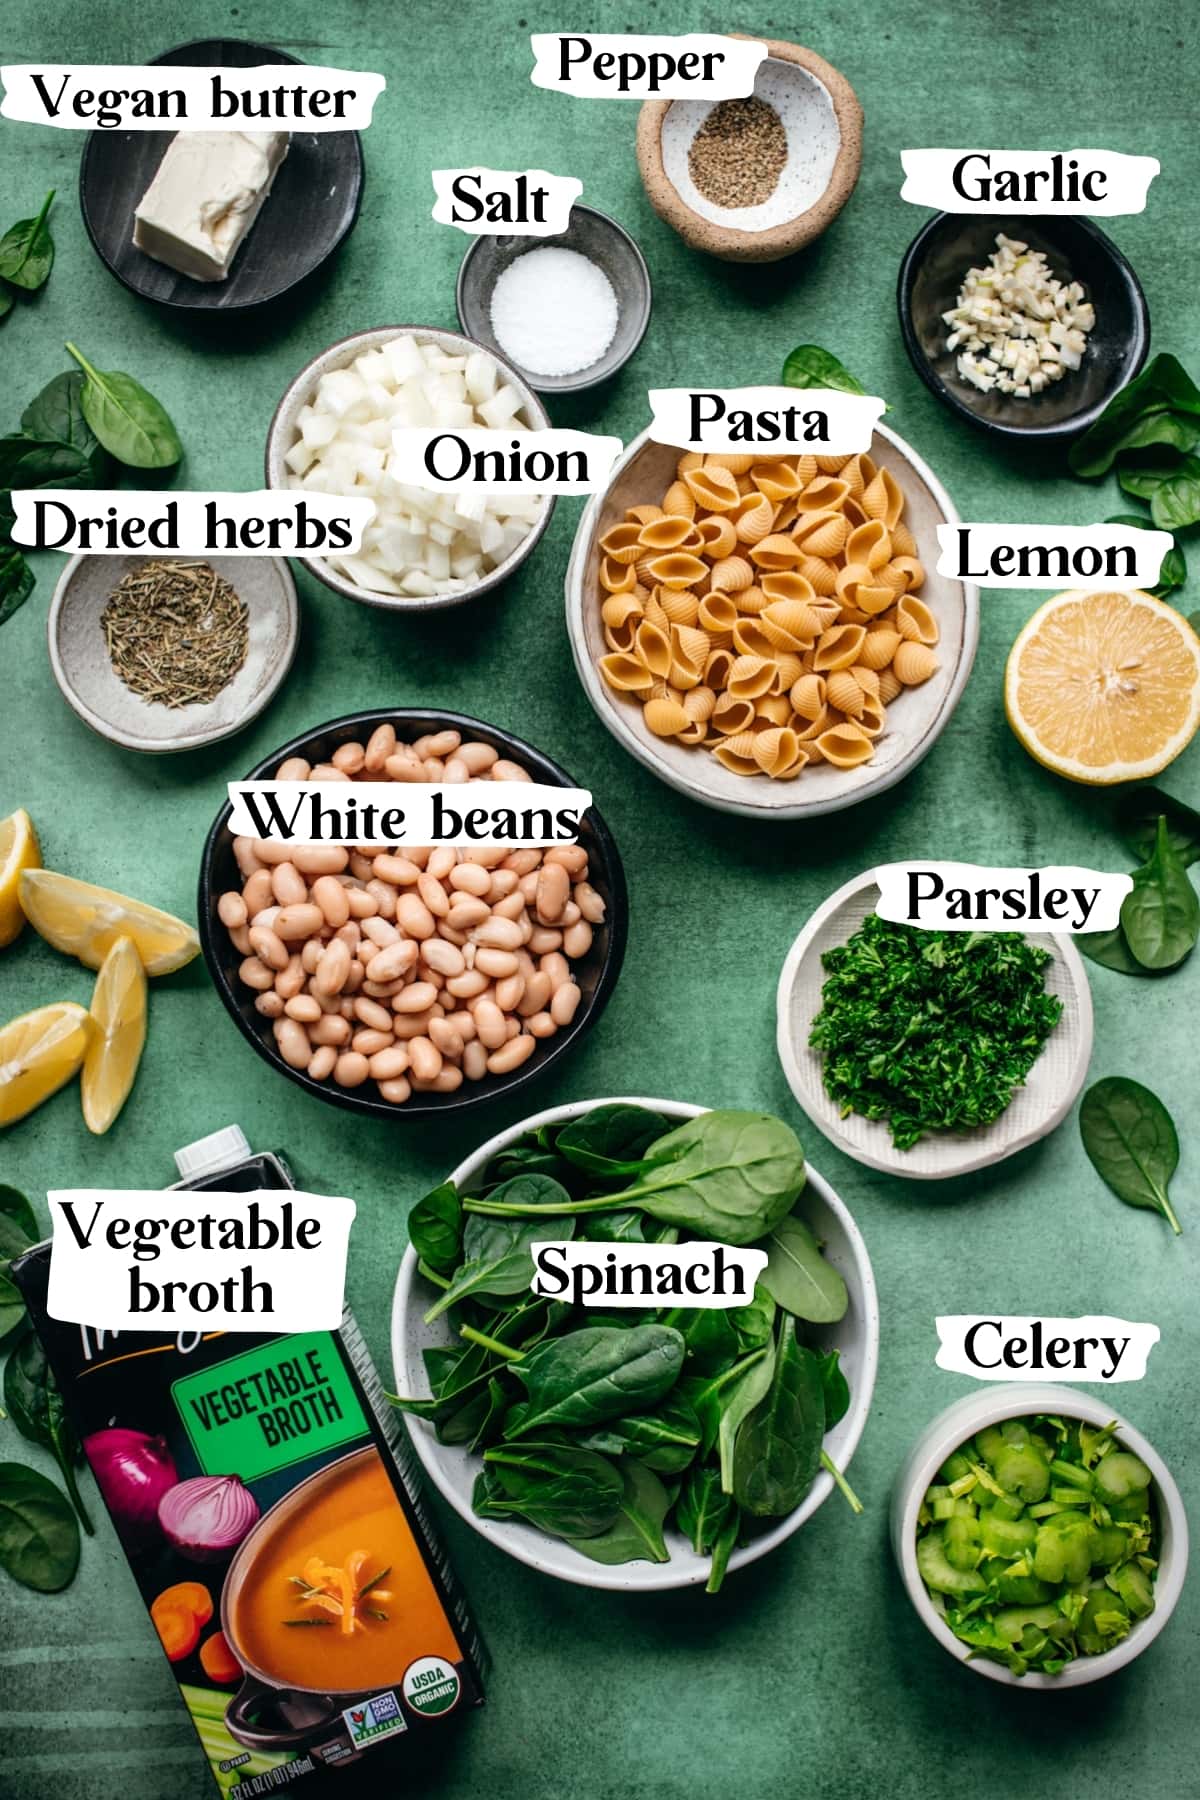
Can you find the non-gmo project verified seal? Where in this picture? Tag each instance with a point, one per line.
(377, 1718)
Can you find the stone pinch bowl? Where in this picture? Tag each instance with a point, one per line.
(284, 430)
(823, 120)
(915, 720)
(91, 685)
(453, 1468)
(1047, 1097)
(594, 235)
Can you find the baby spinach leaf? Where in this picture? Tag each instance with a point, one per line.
(1111, 950)
(18, 1230)
(35, 1407)
(1175, 502)
(39, 1538)
(778, 1448)
(798, 1276)
(497, 1259)
(754, 1322)
(56, 416)
(476, 1421)
(808, 366)
(835, 1388)
(709, 1338)
(1173, 570)
(627, 1227)
(723, 1547)
(1140, 476)
(27, 250)
(610, 1141)
(1131, 1142)
(709, 1394)
(665, 1440)
(127, 419)
(703, 1506)
(569, 1493)
(737, 1403)
(636, 1534)
(1160, 916)
(1163, 386)
(488, 1499)
(1138, 812)
(435, 1228)
(600, 1372)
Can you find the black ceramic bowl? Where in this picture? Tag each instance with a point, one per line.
(596, 974)
(932, 273)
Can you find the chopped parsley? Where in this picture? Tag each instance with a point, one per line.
(931, 1030)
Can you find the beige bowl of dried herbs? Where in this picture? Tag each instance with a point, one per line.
(754, 180)
(171, 652)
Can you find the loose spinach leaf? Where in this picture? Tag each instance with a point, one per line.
(435, 1228)
(627, 1228)
(1163, 386)
(778, 1449)
(708, 1394)
(497, 1260)
(1131, 1142)
(1140, 476)
(1175, 502)
(39, 1537)
(1111, 950)
(1137, 815)
(127, 419)
(798, 1276)
(666, 1439)
(569, 1493)
(738, 1401)
(56, 416)
(610, 1141)
(488, 1499)
(636, 1534)
(808, 366)
(601, 1372)
(18, 1230)
(836, 1389)
(703, 1507)
(477, 1421)
(709, 1337)
(35, 1407)
(1160, 916)
(27, 250)
(1173, 571)
(723, 1548)
(754, 1322)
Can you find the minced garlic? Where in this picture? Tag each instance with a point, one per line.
(1019, 329)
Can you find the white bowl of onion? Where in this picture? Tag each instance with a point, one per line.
(332, 434)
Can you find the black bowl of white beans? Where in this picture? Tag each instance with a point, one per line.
(494, 963)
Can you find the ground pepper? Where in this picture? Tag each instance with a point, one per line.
(739, 153)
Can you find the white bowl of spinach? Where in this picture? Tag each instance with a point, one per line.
(599, 1447)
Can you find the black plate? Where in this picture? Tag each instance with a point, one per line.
(596, 974)
(311, 207)
(932, 274)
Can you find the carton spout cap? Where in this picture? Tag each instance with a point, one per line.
(222, 1149)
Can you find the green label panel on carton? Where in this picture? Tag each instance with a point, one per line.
(272, 1406)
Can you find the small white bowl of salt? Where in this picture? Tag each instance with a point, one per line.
(567, 311)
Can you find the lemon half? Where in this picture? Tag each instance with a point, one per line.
(86, 921)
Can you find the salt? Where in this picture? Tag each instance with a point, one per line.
(554, 312)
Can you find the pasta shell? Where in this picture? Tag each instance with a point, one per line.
(731, 574)
(808, 696)
(838, 648)
(845, 746)
(751, 677)
(787, 513)
(871, 601)
(867, 679)
(825, 720)
(734, 460)
(642, 570)
(693, 734)
(777, 551)
(882, 499)
(716, 490)
(731, 715)
(682, 676)
(718, 537)
(850, 578)
(843, 692)
(915, 622)
(691, 459)
(788, 584)
(653, 647)
(825, 493)
(667, 532)
(821, 533)
(678, 569)
(679, 605)
(737, 764)
(615, 577)
(911, 569)
(718, 613)
(716, 669)
(679, 500)
(914, 663)
(756, 521)
(879, 647)
(903, 541)
(620, 638)
(642, 515)
(751, 640)
(790, 669)
(829, 465)
(699, 703)
(665, 718)
(626, 674)
(889, 686)
(618, 609)
(655, 613)
(776, 750)
(690, 645)
(790, 624)
(751, 600)
(620, 543)
(819, 573)
(775, 708)
(855, 476)
(777, 481)
(869, 544)
(872, 719)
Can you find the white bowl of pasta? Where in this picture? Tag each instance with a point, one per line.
(771, 638)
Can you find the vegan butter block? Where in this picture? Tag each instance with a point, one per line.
(209, 189)
(265, 1501)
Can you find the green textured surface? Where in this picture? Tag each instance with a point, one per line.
(811, 1673)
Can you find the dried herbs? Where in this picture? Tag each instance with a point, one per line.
(931, 1030)
(176, 632)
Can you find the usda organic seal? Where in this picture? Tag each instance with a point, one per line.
(431, 1686)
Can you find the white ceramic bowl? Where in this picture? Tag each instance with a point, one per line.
(1036, 1109)
(282, 435)
(1012, 1400)
(453, 1469)
(91, 685)
(914, 721)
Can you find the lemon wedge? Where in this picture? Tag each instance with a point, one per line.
(38, 1052)
(86, 922)
(1104, 687)
(19, 850)
(119, 1015)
